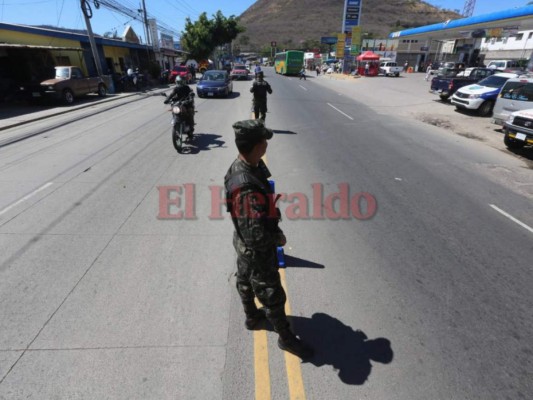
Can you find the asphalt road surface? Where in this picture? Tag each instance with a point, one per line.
(409, 253)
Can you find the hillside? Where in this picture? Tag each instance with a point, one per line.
(295, 23)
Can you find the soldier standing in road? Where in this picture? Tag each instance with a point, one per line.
(256, 218)
(260, 88)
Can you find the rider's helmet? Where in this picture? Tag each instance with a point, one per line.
(179, 81)
(260, 74)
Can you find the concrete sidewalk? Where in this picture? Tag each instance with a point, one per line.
(17, 114)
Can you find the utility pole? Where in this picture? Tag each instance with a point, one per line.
(87, 14)
(146, 28)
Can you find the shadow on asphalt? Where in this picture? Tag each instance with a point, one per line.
(202, 142)
(350, 352)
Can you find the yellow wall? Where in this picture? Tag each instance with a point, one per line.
(37, 40)
(115, 53)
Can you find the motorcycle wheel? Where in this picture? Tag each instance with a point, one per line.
(177, 137)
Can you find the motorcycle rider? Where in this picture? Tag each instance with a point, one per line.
(181, 92)
(260, 88)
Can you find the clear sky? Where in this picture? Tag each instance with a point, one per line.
(172, 13)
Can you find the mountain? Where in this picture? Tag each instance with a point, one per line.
(298, 23)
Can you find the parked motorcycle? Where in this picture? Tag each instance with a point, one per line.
(180, 126)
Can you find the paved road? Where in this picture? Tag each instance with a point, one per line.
(105, 295)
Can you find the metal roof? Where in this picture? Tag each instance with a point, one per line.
(29, 46)
(520, 18)
(80, 37)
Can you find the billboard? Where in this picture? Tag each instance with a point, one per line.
(167, 41)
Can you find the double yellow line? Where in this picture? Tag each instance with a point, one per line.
(261, 365)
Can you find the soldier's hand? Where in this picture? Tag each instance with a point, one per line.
(282, 240)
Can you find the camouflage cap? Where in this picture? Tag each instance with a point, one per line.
(251, 131)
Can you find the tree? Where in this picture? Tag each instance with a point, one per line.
(202, 37)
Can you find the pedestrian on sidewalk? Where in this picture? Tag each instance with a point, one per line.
(302, 74)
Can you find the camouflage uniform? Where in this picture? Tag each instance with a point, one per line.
(255, 216)
(260, 88)
(255, 239)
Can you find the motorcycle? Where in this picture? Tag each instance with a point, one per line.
(180, 126)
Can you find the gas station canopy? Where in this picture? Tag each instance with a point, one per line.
(516, 19)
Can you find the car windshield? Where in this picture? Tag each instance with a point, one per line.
(493, 81)
(214, 76)
(239, 67)
(180, 69)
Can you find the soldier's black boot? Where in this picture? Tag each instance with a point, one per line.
(289, 342)
(254, 316)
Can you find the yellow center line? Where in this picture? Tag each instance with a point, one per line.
(261, 364)
(292, 363)
(261, 367)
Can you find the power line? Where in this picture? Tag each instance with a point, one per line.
(134, 14)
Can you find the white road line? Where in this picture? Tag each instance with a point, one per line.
(304, 88)
(25, 197)
(346, 115)
(512, 218)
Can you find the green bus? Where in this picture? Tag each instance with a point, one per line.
(289, 62)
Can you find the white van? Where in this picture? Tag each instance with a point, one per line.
(516, 95)
(503, 64)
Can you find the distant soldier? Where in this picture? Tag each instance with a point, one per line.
(260, 88)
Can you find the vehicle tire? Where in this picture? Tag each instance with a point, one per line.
(226, 93)
(397, 74)
(485, 109)
(68, 96)
(102, 91)
(512, 143)
(444, 97)
(177, 137)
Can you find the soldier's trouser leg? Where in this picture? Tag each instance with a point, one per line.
(263, 110)
(246, 293)
(256, 111)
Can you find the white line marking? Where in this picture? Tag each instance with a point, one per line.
(25, 197)
(302, 87)
(512, 218)
(346, 115)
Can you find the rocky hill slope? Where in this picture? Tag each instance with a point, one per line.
(296, 23)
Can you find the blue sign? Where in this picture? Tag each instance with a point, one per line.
(328, 40)
(352, 12)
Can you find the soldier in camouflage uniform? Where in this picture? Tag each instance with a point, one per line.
(260, 88)
(250, 200)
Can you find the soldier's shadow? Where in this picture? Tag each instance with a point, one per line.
(350, 352)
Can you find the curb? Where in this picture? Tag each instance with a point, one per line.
(74, 108)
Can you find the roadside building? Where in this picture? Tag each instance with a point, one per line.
(29, 53)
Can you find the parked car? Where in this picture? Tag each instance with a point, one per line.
(181, 70)
(239, 72)
(446, 86)
(482, 95)
(390, 68)
(503, 64)
(516, 95)
(518, 129)
(70, 82)
(214, 83)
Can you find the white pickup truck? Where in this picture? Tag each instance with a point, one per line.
(390, 68)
